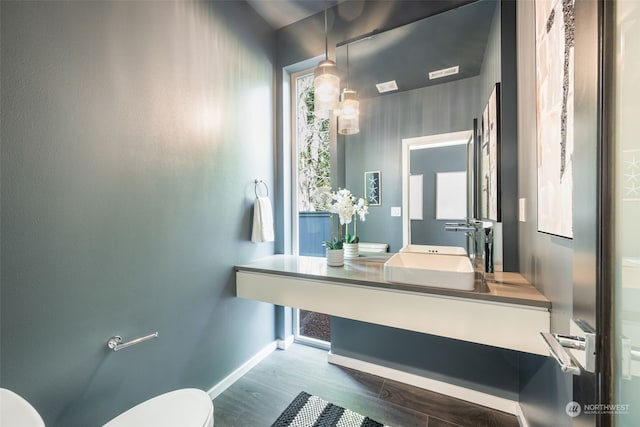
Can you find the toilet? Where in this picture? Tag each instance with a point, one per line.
(15, 411)
(188, 407)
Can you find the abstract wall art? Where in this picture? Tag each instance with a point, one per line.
(555, 30)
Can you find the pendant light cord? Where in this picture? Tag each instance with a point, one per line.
(326, 38)
(346, 84)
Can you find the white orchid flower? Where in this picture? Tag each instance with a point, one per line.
(343, 204)
(362, 209)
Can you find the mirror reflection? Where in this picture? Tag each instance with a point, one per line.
(451, 44)
(437, 187)
(468, 38)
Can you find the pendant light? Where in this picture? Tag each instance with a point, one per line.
(326, 81)
(349, 118)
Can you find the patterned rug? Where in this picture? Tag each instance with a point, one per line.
(311, 411)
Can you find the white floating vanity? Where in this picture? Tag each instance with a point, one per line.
(511, 313)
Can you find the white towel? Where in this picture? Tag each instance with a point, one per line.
(262, 221)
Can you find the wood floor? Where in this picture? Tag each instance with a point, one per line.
(258, 398)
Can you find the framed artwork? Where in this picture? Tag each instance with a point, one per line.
(490, 158)
(554, 21)
(416, 197)
(372, 188)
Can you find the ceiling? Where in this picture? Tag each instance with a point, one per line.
(408, 53)
(280, 13)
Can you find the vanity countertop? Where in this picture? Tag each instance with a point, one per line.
(509, 288)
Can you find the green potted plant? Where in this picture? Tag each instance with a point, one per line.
(334, 252)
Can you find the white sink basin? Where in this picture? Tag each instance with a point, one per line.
(435, 270)
(431, 249)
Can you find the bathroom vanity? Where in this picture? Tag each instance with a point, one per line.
(509, 312)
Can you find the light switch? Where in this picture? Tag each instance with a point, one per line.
(396, 211)
(522, 209)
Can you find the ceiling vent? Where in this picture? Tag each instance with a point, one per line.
(444, 72)
(387, 86)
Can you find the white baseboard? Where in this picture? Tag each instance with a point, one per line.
(463, 393)
(234, 376)
(285, 343)
(520, 415)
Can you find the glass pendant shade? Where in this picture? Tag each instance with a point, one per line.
(349, 118)
(326, 85)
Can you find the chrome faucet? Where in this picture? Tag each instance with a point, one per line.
(487, 246)
(471, 231)
(479, 243)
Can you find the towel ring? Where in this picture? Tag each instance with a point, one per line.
(258, 182)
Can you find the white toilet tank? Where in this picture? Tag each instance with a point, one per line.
(373, 248)
(15, 411)
(188, 407)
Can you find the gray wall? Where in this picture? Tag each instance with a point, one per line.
(545, 260)
(127, 197)
(428, 162)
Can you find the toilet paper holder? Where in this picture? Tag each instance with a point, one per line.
(115, 342)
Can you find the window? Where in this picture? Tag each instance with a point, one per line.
(312, 148)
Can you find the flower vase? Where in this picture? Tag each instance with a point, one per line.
(351, 250)
(335, 257)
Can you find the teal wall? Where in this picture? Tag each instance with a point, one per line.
(127, 190)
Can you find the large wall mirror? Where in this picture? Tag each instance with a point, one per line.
(471, 39)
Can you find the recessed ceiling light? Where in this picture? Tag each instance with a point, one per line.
(387, 86)
(444, 72)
